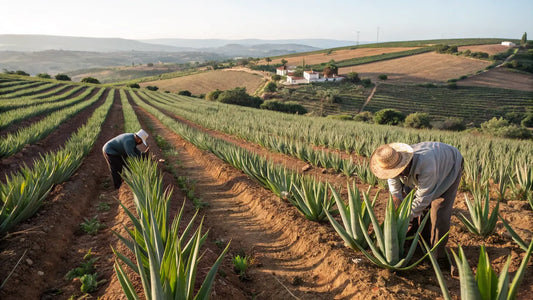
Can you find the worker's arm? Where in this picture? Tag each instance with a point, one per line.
(131, 148)
(395, 188)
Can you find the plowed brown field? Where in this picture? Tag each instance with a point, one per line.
(209, 81)
(337, 55)
(490, 49)
(426, 67)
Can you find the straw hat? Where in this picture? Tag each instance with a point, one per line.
(389, 160)
(143, 135)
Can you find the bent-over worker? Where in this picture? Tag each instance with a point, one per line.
(435, 170)
(118, 149)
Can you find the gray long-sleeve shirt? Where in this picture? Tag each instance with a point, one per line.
(434, 169)
(122, 145)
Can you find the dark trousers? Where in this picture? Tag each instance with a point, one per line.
(115, 164)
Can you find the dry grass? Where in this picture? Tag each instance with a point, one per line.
(490, 49)
(501, 78)
(209, 81)
(338, 55)
(426, 67)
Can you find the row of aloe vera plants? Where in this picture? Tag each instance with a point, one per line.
(25, 190)
(16, 111)
(288, 131)
(63, 93)
(33, 91)
(314, 199)
(7, 91)
(165, 260)
(294, 148)
(13, 142)
(386, 244)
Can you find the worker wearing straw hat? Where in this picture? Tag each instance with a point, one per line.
(435, 170)
(121, 147)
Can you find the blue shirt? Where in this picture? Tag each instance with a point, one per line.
(122, 145)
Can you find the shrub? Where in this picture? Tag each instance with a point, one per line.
(63, 77)
(389, 116)
(185, 93)
(427, 85)
(366, 82)
(514, 117)
(22, 73)
(213, 95)
(276, 77)
(271, 87)
(382, 77)
(353, 77)
(152, 88)
(287, 107)
(528, 120)
(238, 96)
(90, 80)
(501, 128)
(452, 85)
(364, 116)
(134, 85)
(44, 75)
(452, 124)
(418, 120)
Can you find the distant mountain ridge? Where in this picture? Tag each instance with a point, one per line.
(213, 43)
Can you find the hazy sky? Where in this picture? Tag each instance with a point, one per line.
(290, 19)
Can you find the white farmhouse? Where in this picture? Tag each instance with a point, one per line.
(282, 71)
(291, 79)
(311, 75)
(508, 44)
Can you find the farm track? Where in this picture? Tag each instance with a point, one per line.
(52, 142)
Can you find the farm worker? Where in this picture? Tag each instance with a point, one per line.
(435, 170)
(119, 148)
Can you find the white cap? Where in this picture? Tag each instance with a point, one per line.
(143, 135)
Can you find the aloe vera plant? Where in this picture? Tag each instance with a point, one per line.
(166, 260)
(481, 222)
(485, 285)
(518, 240)
(352, 230)
(312, 199)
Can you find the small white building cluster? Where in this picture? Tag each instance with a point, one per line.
(309, 76)
(508, 44)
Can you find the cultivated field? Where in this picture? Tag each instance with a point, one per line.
(232, 173)
(501, 78)
(337, 55)
(427, 67)
(209, 81)
(489, 49)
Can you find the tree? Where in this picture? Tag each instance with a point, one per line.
(271, 87)
(63, 77)
(418, 120)
(353, 77)
(331, 69)
(523, 42)
(22, 73)
(44, 75)
(152, 87)
(276, 77)
(284, 61)
(133, 85)
(185, 93)
(213, 95)
(90, 80)
(239, 96)
(389, 116)
(268, 60)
